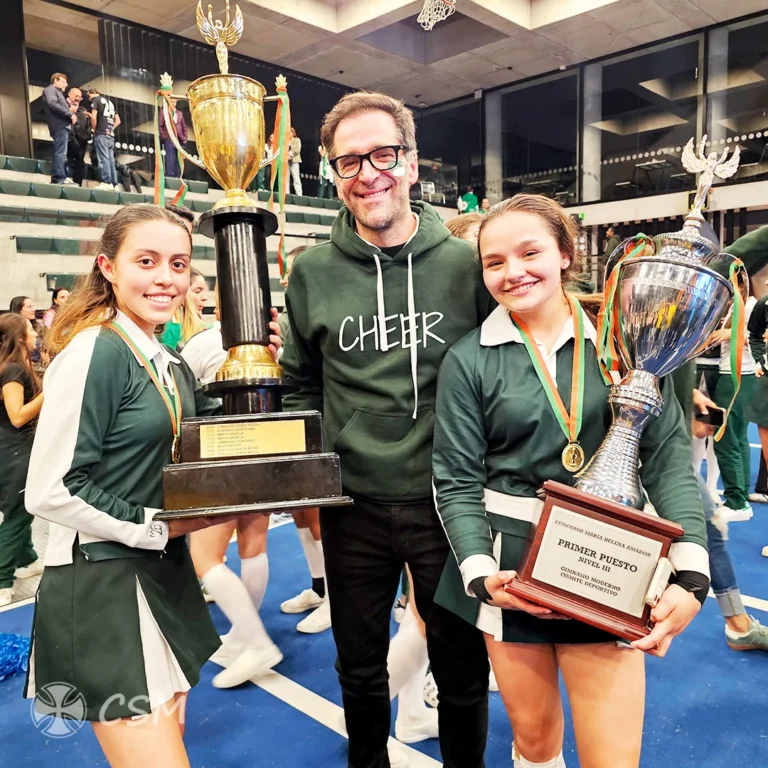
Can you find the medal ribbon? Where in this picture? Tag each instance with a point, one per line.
(161, 96)
(570, 422)
(173, 404)
(281, 142)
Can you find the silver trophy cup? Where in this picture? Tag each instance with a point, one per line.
(669, 304)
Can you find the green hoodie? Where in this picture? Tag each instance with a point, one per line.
(377, 391)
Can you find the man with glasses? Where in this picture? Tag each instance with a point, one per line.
(372, 314)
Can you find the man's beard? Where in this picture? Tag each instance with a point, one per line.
(380, 221)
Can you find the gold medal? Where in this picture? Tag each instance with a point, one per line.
(573, 457)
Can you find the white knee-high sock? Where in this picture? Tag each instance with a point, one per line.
(232, 597)
(518, 761)
(254, 571)
(313, 551)
(410, 700)
(407, 654)
(713, 468)
(699, 452)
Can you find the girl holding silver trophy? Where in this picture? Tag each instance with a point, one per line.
(511, 395)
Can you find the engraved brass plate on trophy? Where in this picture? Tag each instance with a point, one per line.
(218, 441)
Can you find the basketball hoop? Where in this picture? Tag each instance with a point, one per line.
(434, 11)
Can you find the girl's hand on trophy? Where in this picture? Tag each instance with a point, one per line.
(500, 598)
(183, 527)
(275, 341)
(672, 614)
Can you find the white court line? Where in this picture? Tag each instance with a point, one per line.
(18, 604)
(755, 445)
(326, 713)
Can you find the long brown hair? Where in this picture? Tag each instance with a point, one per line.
(93, 301)
(13, 345)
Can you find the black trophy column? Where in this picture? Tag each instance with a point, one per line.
(240, 239)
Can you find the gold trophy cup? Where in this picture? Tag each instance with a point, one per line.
(227, 114)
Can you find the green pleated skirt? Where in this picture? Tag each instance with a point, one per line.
(121, 631)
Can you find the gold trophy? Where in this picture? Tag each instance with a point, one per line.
(227, 113)
(255, 458)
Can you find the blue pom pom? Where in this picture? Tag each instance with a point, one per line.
(14, 653)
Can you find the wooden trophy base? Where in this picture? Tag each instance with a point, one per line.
(252, 463)
(593, 560)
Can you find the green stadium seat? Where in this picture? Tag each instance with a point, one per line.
(316, 202)
(322, 236)
(149, 198)
(334, 204)
(22, 165)
(203, 252)
(78, 194)
(11, 213)
(51, 191)
(34, 244)
(44, 166)
(313, 218)
(201, 206)
(127, 198)
(289, 198)
(302, 200)
(171, 183)
(263, 196)
(3, 162)
(294, 217)
(36, 218)
(106, 196)
(274, 285)
(198, 187)
(65, 247)
(15, 187)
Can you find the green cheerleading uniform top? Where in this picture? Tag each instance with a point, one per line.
(119, 613)
(497, 440)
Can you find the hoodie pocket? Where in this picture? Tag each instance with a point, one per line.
(387, 456)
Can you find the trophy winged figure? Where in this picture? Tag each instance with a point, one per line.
(709, 166)
(218, 33)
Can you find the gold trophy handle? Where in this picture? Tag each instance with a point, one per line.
(265, 163)
(172, 136)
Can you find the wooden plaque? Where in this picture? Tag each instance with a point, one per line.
(593, 560)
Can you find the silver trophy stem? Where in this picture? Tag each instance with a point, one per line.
(612, 472)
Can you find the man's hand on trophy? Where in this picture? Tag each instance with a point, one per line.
(275, 340)
(183, 527)
(673, 613)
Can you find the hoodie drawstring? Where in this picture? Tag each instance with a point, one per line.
(414, 340)
(383, 345)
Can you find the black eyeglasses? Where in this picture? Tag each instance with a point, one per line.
(381, 158)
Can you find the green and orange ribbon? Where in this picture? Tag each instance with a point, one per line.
(737, 339)
(609, 317)
(164, 96)
(280, 163)
(173, 404)
(569, 420)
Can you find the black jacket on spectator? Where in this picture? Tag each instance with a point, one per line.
(57, 110)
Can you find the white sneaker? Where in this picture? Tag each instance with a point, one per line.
(411, 731)
(104, 185)
(764, 553)
(27, 571)
(249, 665)
(492, 684)
(306, 601)
(69, 182)
(317, 621)
(430, 690)
(398, 757)
(735, 515)
(6, 596)
(758, 498)
(228, 652)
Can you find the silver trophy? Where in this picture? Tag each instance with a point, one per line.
(669, 304)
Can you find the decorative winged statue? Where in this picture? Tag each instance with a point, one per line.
(220, 34)
(709, 166)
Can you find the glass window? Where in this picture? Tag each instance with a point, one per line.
(450, 141)
(737, 94)
(539, 143)
(639, 112)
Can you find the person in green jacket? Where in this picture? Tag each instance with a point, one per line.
(372, 314)
(468, 202)
(497, 440)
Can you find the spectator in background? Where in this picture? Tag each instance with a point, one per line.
(60, 120)
(282, 319)
(104, 121)
(612, 241)
(325, 174)
(294, 162)
(59, 297)
(264, 175)
(79, 137)
(468, 201)
(466, 227)
(171, 156)
(23, 305)
(485, 206)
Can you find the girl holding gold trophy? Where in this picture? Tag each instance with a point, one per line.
(522, 400)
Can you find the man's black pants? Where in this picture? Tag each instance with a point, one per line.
(365, 547)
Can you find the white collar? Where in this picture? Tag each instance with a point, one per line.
(498, 329)
(150, 348)
(413, 234)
